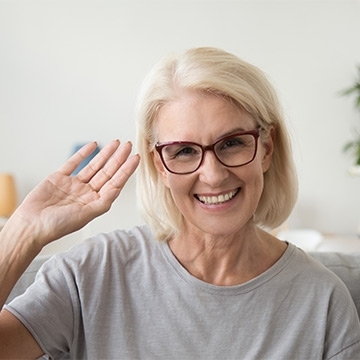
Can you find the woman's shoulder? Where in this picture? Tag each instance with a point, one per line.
(315, 278)
(133, 236)
(118, 245)
(306, 268)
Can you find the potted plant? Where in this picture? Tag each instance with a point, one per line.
(353, 146)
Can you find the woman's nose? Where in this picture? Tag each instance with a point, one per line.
(212, 171)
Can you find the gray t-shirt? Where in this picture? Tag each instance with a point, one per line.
(124, 295)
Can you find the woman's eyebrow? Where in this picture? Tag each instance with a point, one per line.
(234, 131)
(227, 133)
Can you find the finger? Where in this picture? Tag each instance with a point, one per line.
(87, 173)
(75, 160)
(111, 167)
(111, 190)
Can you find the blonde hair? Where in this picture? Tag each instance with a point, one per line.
(219, 72)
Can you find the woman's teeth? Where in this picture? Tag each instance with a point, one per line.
(212, 200)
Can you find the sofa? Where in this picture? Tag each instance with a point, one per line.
(345, 266)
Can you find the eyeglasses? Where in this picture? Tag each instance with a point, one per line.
(184, 157)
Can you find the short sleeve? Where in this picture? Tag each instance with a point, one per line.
(49, 308)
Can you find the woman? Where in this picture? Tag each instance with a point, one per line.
(203, 280)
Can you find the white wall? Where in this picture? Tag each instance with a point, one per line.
(70, 71)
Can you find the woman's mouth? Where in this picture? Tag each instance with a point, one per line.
(219, 199)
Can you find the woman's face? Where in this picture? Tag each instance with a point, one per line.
(215, 199)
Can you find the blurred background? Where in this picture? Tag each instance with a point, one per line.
(70, 72)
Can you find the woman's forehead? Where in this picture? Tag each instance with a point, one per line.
(194, 116)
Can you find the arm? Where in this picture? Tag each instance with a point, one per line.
(59, 205)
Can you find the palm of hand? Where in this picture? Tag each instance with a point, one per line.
(61, 204)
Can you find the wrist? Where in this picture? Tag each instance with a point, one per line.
(18, 249)
(19, 235)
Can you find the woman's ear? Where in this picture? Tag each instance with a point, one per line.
(268, 149)
(160, 167)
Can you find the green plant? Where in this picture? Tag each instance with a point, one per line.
(354, 145)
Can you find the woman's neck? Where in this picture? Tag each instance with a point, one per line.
(227, 261)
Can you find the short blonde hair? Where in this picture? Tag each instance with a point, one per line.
(219, 72)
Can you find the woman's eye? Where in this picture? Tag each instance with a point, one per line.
(172, 152)
(186, 151)
(235, 142)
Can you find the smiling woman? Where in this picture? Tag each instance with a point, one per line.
(196, 281)
(240, 87)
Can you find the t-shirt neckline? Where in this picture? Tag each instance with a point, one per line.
(246, 287)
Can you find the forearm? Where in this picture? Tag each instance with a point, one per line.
(17, 249)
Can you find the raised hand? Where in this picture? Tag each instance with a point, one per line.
(62, 203)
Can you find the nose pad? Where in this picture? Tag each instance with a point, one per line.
(212, 171)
